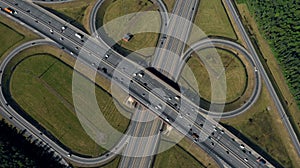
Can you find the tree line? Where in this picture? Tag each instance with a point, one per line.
(279, 21)
(18, 151)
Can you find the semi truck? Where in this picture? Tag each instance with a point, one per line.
(10, 10)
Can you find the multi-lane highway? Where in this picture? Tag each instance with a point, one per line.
(182, 118)
(174, 39)
(143, 143)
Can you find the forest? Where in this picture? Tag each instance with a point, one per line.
(279, 20)
(18, 151)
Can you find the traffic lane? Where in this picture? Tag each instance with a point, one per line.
(137, 145)
(41, 19)
(14, 116)
(47, 30)
(173, 124)
(272, 91)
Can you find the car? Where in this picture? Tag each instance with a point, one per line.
(246, 159)
(261, 161)
(51, 30)
(177, 98)
(159, 106)
(76, 48)
(106, 56)
(141, 74)
(242, 146)
(61, 38)
(167, 120)
(180, 115)
(63, 28)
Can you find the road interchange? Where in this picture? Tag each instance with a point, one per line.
(56, 39)
(35, 20)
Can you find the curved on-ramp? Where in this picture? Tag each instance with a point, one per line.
(23, 124)
(210, 42)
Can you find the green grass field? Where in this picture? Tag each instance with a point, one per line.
(169, 4)
(12, 34)
(234, 71)
(176, 157)
(212, 19)
(41, 85)
(134, 23)
(9, 37)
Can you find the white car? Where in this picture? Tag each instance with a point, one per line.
(242, 146)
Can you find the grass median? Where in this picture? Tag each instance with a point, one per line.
(42, 86)
(134, 23)
(169, 4)
(212, 19)
(12, 34)
(176, 157)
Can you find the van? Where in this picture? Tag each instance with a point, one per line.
(78, 35)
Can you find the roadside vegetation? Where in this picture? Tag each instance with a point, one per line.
(176, 157)
(8, 37)
(119, 27)
(279, 28)
(12, 34)
(39, 82)
(261, 126)
(170, 5)
(212, 19)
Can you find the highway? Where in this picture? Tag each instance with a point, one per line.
(220, 143)
(171, 45)
(146, 157)
(262, 71)
(144, 141)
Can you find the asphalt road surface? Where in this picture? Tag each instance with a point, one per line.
(262, 71)
(222, 145)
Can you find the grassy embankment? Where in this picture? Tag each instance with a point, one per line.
(12, 35)
(46, 78)
(169, 5)
(212, 19)
(234, 71)
(176, 157)
(133, 23)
